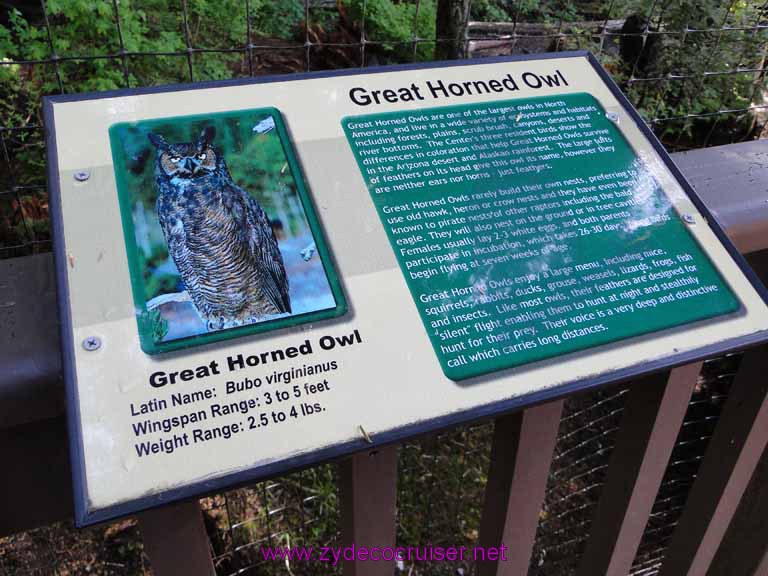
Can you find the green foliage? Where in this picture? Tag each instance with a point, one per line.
(491, 11)
(153, 323)
(155, 281)
(686, 40)
(89, 28)
(277, 19)
(396, 24)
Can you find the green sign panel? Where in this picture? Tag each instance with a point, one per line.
(530, 228)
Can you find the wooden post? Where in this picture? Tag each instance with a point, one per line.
(521, 455)
(732, 455)
(744, 550)
(36, 481)
(653, 414)
(368, 494)
(451, 25)
(175, 540)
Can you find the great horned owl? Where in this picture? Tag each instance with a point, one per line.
(218, 235)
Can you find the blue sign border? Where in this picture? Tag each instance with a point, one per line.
(85, 516)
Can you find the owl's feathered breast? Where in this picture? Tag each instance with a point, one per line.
(223, 245)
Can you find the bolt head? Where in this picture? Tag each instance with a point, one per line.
(92, 343)
(689, 219)
(612, 116)
(82, 175)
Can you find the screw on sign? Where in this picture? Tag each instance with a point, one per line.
(92, 343)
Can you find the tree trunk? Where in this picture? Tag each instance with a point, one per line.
(452, 17)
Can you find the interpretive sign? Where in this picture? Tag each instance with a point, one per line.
(263, 274)
(529, 228)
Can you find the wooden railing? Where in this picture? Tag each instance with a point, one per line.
(723, 528)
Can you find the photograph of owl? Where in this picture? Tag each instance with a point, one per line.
(218, 235)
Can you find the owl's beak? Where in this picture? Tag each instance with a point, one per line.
(189, 165)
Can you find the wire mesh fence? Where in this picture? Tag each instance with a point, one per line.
(441, 485)
(695, 70)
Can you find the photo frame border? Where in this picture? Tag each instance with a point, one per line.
(148, 344)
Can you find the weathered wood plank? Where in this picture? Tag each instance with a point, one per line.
(744, 550)
(36, 480)
(175, 540)
(521, 456)
(731, 180)
(653, 413)
(510, 29)
(31, 382)
(740, 437)
(368, 494)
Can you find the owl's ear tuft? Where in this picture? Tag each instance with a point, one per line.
(157, 140)
(206, 136)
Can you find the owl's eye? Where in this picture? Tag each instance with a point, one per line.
(175, 159)
(202, 156)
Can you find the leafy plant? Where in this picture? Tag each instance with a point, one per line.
(277, 19)
(492, 11)
(153, 323)
(396, 24)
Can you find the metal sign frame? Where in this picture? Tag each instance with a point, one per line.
(84, 515)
